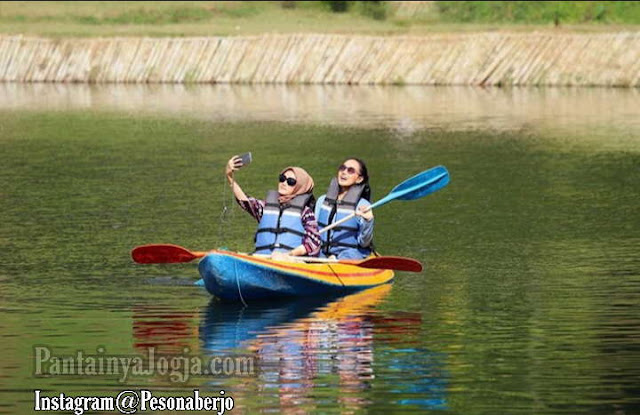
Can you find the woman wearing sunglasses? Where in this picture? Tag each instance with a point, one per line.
(286, 221)
(348, 191)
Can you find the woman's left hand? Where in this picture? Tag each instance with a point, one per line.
(365, 213)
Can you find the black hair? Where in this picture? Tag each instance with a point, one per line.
(366, 193)
(312, 201)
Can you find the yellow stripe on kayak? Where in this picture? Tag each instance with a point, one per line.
(326, 272)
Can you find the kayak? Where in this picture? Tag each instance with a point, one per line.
(240, 277)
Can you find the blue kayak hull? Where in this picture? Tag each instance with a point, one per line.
(237, 277)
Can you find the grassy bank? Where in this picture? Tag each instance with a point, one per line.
(540, 12)
(193, 18)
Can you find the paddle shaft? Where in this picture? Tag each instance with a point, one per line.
(343, 220)
(338, 223)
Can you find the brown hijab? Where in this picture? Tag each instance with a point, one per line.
(304, 184)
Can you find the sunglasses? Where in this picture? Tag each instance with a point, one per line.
(349, 170)
(290, 180)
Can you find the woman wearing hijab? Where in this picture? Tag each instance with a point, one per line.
(286, 221)
(348, 192)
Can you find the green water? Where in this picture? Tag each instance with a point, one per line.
(528, 302)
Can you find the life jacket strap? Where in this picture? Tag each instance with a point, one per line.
(273, 246)
(344, 228)
(281, 230)
(332, 244)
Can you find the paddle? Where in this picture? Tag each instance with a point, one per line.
(164, 254)
(396, 263)
(415, 187)
(171, 254)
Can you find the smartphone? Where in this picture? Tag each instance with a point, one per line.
(246, 158)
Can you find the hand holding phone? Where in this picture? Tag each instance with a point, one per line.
(237, 162)
(245, 158)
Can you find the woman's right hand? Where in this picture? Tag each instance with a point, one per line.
(365, 213)
(233, 164)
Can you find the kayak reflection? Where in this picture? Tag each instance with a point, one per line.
(304, 347)
(229, 326)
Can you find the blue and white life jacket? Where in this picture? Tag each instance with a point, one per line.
(345, 236)
(280, 228)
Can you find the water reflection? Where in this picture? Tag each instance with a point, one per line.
(305, 349)
(404, 110)
(166, 331)
(230, 326)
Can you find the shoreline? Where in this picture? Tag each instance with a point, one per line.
(480, 59)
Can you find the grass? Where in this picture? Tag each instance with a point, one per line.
(540, 12)
(193, 18)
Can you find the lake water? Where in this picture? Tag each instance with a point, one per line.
(528, 303)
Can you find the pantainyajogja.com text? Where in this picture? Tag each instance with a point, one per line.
(177, 368)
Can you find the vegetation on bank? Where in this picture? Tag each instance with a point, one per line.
(539, 12)
(206, 18)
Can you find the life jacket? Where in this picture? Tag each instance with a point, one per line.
(345, 236)
(280, 228)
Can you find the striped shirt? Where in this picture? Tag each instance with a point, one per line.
(311, 239)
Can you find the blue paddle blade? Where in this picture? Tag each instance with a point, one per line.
(417, 186)
(422, 184)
